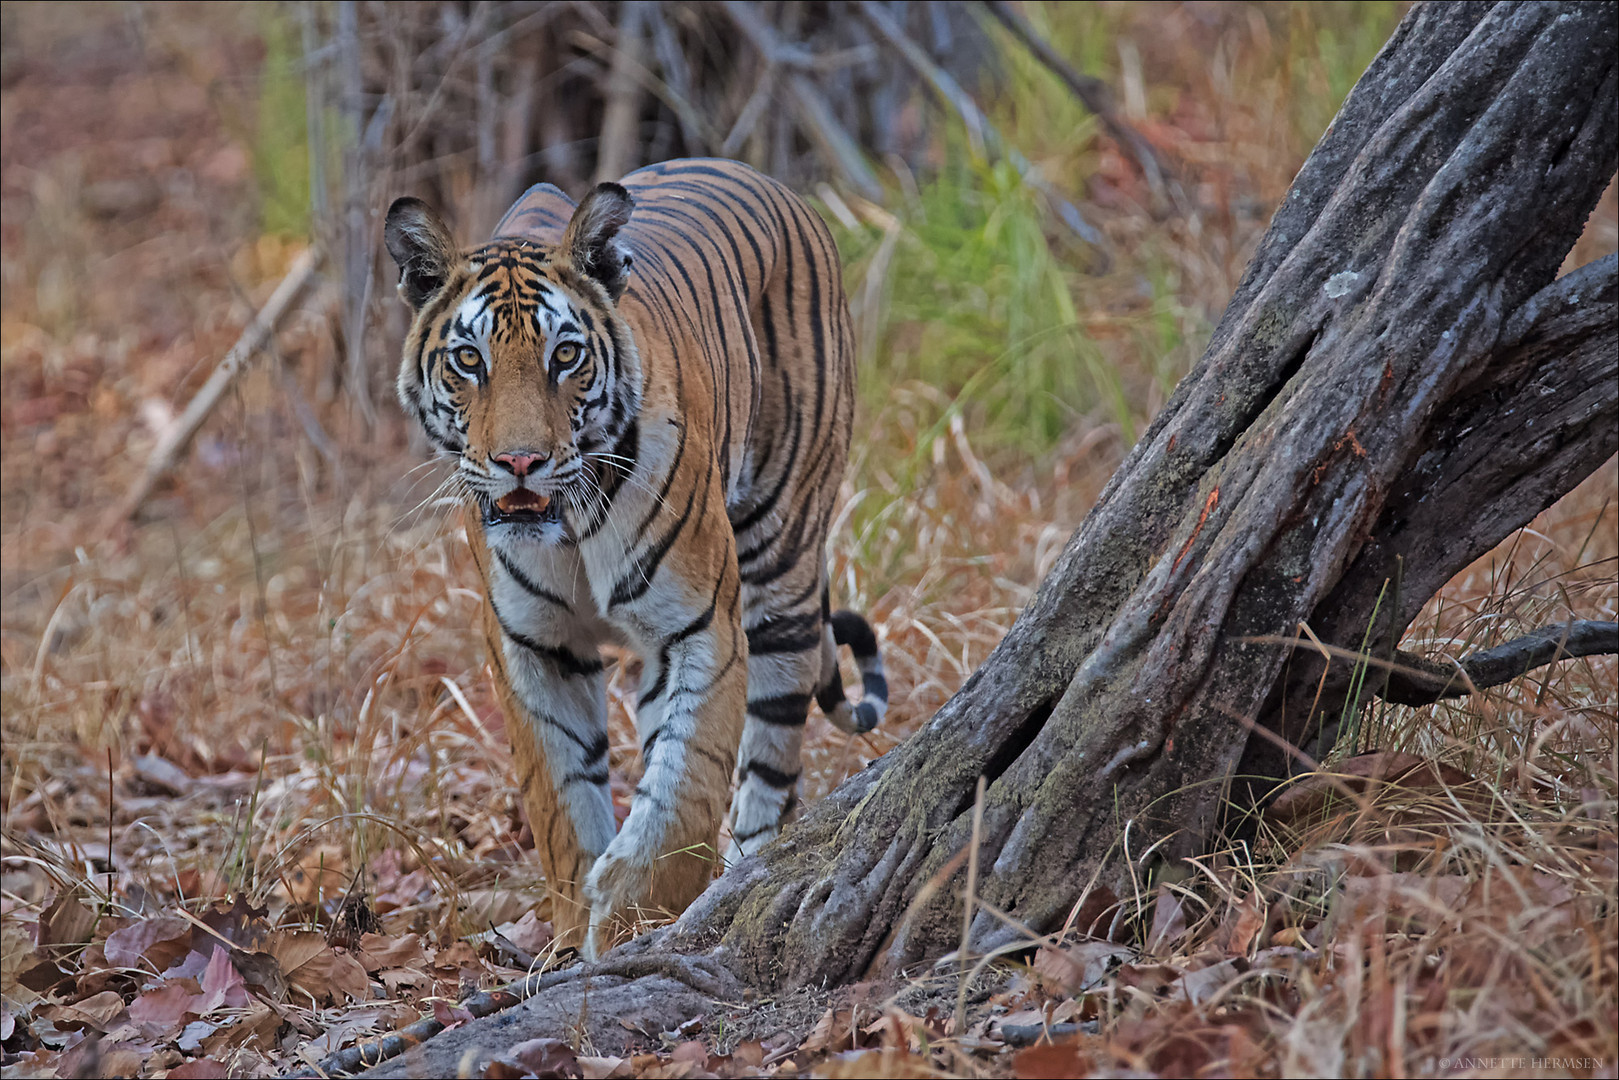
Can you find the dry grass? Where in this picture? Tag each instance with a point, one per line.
(293, 631)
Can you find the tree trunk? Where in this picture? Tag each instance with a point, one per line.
(1396, 377)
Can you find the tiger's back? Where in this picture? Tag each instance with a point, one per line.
(651, 397)
(754, 272)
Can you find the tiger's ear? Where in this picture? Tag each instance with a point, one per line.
(421, 245)
(591, 239)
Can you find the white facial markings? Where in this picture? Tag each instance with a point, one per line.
(471, 328)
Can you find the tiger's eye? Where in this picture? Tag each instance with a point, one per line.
(467, 359)
(565, 354)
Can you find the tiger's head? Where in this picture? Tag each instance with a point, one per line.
(518, 361)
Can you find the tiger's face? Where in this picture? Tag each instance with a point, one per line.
(519, 364)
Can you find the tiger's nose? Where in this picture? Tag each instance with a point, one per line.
(520, 462)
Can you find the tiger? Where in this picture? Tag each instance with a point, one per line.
(648, 397)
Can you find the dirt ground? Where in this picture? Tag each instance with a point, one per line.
(267, 693)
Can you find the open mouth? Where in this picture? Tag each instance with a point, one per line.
(522, 505)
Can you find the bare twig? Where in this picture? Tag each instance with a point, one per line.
(685, 112)
(754, 108)
(616, 150)
(676, 74)
(358, 255)
(836, 145)
(1414, 680)
(314, 108)
(1095, 95)
(254, 337)
(981, 133)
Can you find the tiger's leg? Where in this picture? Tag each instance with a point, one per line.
(689, 716)
(548, 673)
(785, 667)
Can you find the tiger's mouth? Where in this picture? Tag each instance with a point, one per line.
(522, 506)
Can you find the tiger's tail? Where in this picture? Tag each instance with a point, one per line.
(851, 629)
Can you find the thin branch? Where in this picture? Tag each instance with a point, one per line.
(258, 332)
(982, 134)
(677, 76)
(1414, 680)
(754, 108)
(1095, 95)
(836, 145)
(358, 252)
(619, 135)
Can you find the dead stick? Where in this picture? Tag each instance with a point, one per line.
(1414, 680)
(172, 443)
(816, 119)
(623, 98)
(1092, 92)
(982, 134)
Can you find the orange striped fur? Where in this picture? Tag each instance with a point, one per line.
(649, 399)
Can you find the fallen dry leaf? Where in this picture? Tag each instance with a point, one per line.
(94, 1012)
(1358, 777)
(199, 1069)
(378, 951)
(450, 1016)
(1168, 921)
(604, 1068)
(66, 924)
(164, 1006)
(1081, 965)
(888, 1063)
(160, 941)
(1242, 924)
(547, 1057)
(318, 969)
(239, 923)
(530, 933)
(1049, 1061)
(319, 875)
(222, 985)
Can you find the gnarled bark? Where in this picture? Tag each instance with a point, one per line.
(1396, 375)
(1354, 394)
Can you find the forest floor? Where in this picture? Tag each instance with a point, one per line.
(257, 800)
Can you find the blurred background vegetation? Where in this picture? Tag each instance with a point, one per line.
(289, 625)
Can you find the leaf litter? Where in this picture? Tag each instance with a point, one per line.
(1393, 910)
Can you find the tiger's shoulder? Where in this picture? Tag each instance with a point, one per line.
(687, 206)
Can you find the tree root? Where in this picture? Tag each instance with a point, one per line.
(635, 991)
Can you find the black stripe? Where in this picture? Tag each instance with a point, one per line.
(785, 710)
(831, 695)
(594, 776)
(570, 664)
(641, 793)
(873, 685)
(529, 585)
(709, 755)
(627, 446)
(774, 777)
(696, 626)
(758, 513)
(595, 749)
(790, 634)
(851, 629)
(634, 584)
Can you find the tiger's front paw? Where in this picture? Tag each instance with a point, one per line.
(617, 888)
